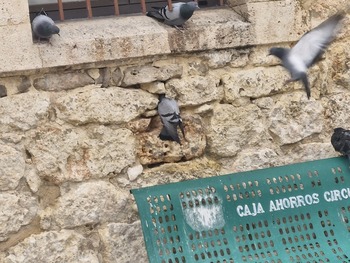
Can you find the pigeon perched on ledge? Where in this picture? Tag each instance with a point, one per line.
(44, 27)
(341, 141)
(178, 16)
(169, 113)
(308, 50)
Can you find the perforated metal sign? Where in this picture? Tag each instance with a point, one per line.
(294, 213)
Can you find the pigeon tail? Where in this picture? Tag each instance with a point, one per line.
(306, 83)
(165, 136)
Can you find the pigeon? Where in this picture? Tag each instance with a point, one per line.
(308, 50)
(178, 16)
(169, 113)
(44, 27)
(341, 141)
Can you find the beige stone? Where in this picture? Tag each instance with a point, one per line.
(195, 90)
(16, 210)
(12, 166)
(156, 87)
(54, 247)
(119, 105)
(87, 203)
(123, 242)
(61, 154)
(147, 74)
(234, 128)
(23, 111)
(294, 118)
(151, 149)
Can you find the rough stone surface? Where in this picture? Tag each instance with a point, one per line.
(88, 203)
(106, 106)
(55, 247)
(195, 90)
(23, 111)
(123, 242)
(63, 81)
(146, 74)
(16, 210)
(153, 150)
(233, 128)
(74, 155)
(156, 87)
(294, 118)
(12, 166)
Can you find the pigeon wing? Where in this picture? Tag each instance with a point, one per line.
(312, 44)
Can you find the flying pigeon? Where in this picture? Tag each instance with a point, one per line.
(44, 27)
(178, 16)
(308, 50)
(341, 141)
(169, 113)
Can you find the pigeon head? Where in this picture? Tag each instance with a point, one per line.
(54, 30)
(278, 52)
(186, 10)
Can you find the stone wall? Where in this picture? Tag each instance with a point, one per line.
(76, 139)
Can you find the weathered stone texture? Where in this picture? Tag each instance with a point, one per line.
(195, 90)
(123, 242)
(105, 106)
(61, 154)
(146, 74)
(23, 111)
(63, 81)
(153, 150)
(12, 166)
(234, 128)
(16, 210)
(294, 118)
(54, 247)
(87, 203)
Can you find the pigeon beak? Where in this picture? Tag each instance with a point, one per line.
(58, 34)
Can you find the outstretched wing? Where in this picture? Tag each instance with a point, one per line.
(312, 45)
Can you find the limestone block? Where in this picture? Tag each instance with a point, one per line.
(63, 81)
(310, 152)
(106, 106)
(156, 87)
(23, 111)
(255, 83)
(294, 117)
(16, 84)
(195, 90)
(233, 57)
(87, 203)
(134, 172)
(176, 172)
(12, 166)
(13, 13)
(123, 242)
(151, 149)
(274, 21)
(251, 159)
(139, 125)
(54, 247)
(211, 29)
(108, 150)
(234, 128)
(337, 108)
(146, 74)
(16, 210)
(61, 154)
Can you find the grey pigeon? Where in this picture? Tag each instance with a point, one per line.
(341, 141)
(169, 113)
(308, 50)
(44, 27)
(178, 16)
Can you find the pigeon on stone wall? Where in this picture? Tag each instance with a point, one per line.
(44, 27)
(169, 113)
(341, 141)
(308, 50)
(178, 16)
